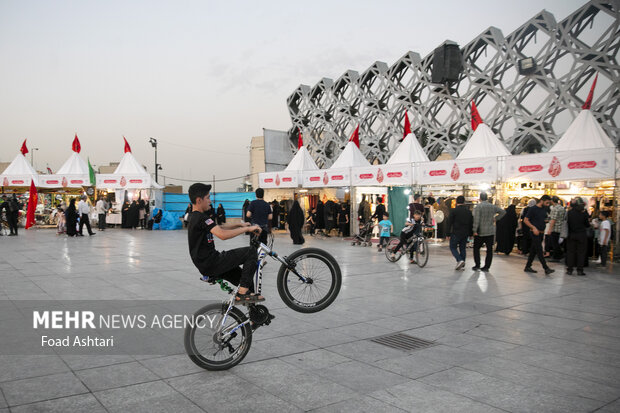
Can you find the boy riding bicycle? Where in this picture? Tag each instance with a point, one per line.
(413, 228)
(212, 264)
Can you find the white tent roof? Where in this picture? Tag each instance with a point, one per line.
(19, 171)
(584, 133)
(302, 161)
(129, 165)
(408, 151)
(75, 165)
(482, 144)
(351, 156)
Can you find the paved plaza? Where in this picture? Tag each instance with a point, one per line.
(503, 341)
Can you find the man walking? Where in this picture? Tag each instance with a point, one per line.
(458, 228)
(485, 215)
(556, 220)
(535, 220)
(12, 214)
(83, 213)
(101, 207)
(259, 213)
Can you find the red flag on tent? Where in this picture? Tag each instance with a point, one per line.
(588, 103)
(407, 126)
(76, 144)
(127, 147)
(24, 148)
(475, 116)
(300, 140)
(355, 137)
(32, 205)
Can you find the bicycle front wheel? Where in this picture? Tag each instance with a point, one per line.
(218, 350)
(391, 247)
(322, 280)
(421, 253)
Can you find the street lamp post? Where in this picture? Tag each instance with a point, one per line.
(153, 143)
(32, 156)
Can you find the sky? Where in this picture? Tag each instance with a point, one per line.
(202, 77)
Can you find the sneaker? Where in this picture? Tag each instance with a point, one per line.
(580, 272)
(379, 249)
(569, 271)
(475, 268)
(485, 269)
(549, 271)
(530, 269)
(412, 261)
(460, 265)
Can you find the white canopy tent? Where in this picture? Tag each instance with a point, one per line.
(19, 173)
(399, 168)
(290, 177)
(72, 174)
(339, 174)
(483, 143)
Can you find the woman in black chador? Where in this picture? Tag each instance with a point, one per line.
(124, 212)
(506, 229)
(71, 217)
(296, 221)
(220, 215)
(244, 210)
(133, 215)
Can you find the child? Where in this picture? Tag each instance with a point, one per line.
(413, 227)
(604, 235)
(386, 230)
(212, 264)
(61, 221)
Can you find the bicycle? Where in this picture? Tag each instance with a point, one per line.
(421, 251)
(308, 281)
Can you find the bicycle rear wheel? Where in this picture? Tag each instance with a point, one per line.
(421, 253)
(390, 247)
(323, 276)
(211, 350)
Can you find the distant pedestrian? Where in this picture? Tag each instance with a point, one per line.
(295, 220)
(275, 211)
(363, 211)
(343, 220)
(142, 213)
(379, 210)
(485, 215)
(458, 229)
(133, 215)
(61, 222)
(220, 215)
(84, 214)
(101, 208)
(386, 228)
(578, 221)
(244, 210)
(71, 218)
(312, 222)
(13, 214)
(416, 205)
(604, 235)
(556, 220)
(526, 240)
(506, 229)
(535, 220)
(259, 213)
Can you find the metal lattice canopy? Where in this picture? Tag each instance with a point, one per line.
(528, 112)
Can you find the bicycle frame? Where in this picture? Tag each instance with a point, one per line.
(263, 252)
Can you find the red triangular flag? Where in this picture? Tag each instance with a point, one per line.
(76, 145)
(32, 205)
(355, 137)
(300, 140)
(588, 103)
(127, 147)
(407, 126)
(475, 116)
(24, 148)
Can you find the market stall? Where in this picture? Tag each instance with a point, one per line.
(130, 181)
(17, 177)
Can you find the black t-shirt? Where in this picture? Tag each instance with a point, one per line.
(537, 217)
(260, 212)
(200, 240)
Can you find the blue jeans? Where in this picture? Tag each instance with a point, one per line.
(458, 246)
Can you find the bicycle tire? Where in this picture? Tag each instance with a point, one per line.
(286, 280)
(391, 244)
(202, 360)
(421, 257)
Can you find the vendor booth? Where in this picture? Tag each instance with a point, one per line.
(128, 182)
(17, 177)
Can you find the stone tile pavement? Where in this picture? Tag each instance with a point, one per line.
(504, 341)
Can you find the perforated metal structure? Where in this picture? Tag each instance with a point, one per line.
(528, 112)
